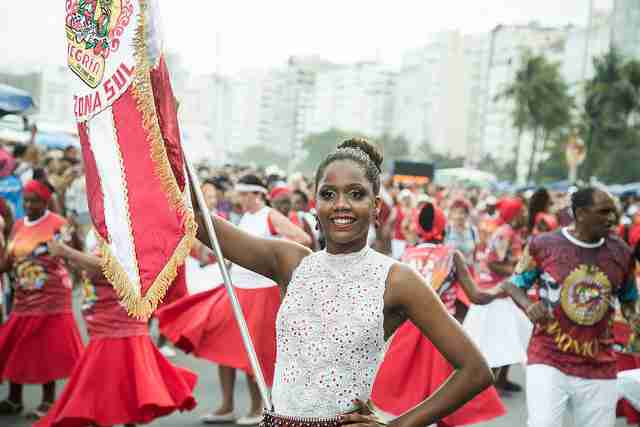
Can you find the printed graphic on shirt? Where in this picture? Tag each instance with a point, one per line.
(586, 295)
(30, 275)
(434, 264)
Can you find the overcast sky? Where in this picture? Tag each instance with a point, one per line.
(263, 33)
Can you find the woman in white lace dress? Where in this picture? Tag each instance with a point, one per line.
(341, 305)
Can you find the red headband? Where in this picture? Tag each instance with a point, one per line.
(549, 219)
(279, 191)
(509, 208)
(461, 203)
(438, 225)
(38, 188)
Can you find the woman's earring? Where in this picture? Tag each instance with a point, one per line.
(317, 222)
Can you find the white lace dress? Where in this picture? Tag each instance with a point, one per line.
(330, 335)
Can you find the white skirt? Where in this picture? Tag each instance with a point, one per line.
(501, 330)
(200, 279)
(397, 248)
(629, 387)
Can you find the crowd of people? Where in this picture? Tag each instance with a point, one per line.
(366, 298)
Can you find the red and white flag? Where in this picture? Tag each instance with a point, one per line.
(127, 122)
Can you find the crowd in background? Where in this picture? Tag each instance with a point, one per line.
(471, 211)
(472, 217)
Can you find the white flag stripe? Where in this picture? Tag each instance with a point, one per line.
(102, 137)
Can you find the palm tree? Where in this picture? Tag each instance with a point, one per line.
(610, 112)
(541, 103)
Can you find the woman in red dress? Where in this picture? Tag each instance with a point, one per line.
(411, 355)
(41, 322)
(122, 378)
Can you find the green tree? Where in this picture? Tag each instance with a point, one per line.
(441, 161)
(554, 166)
(504, 171)
(541, 104)
(393, 148)
(609, 120)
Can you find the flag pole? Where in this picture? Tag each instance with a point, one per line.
(235, 304)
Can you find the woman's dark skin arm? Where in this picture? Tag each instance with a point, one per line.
(88, 262)
(287, 229)
(476, 295)
(536, 311)
(504, 268)
(408, 293)
(6, 263)
(7, 216)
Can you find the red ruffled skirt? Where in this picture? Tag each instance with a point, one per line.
(37, 349)
(204, 324)
(625, 362)
(413, 369)
(121, 381)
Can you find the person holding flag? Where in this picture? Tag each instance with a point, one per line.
(203, 324)
(341, 304)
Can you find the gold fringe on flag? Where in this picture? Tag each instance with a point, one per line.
(137, 305)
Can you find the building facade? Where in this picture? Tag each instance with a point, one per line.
(430, 92)
(356, 98)
(625, 29)
(506, 47)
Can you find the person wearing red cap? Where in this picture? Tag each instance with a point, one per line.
(41, 323)
(281, 199)
(412, 355)
(500, 329)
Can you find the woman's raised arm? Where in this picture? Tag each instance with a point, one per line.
(272, 258)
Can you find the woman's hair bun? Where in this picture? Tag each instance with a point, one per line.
(363, 145)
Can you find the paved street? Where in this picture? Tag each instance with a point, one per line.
(208, 392)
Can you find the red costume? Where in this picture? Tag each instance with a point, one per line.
(41, 323)
(413, 369)
(121, 378)
(204, 324)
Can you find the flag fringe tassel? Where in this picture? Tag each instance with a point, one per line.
(137, 305)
